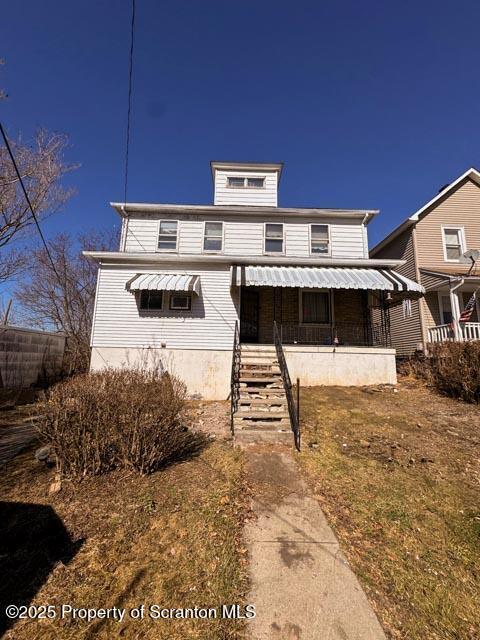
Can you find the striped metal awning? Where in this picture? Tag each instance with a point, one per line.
(324, 278)
(164, 282)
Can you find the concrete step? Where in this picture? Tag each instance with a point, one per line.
(250, 436)
(260, 415)
(257, 370)
(264, 402)
(264, 378)
(283, 425)
(251, 348)
(264, 391)
(259, 354)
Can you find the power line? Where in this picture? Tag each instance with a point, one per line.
(130, 75)
(12, 158)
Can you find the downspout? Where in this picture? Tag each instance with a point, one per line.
(365, 236)
(421, 301)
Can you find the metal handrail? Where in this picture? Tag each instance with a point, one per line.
(235, 375)
(293, 408)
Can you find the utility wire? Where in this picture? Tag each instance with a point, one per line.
(12, 158)
(130, 76)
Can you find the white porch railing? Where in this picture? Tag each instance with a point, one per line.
(460, 332)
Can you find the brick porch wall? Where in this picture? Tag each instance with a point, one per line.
(282, 305)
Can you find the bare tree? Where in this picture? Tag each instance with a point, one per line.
(3, 95)
(41, 166)
(64, 299)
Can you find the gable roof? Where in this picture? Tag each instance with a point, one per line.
(471, 174)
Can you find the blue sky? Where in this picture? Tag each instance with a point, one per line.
(370, 105)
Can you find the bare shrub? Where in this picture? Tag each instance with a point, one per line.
(116, 418)
(453, 368)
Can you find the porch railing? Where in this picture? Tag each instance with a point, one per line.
(235, 375)
(455, 332)
(362, 334)
(293, 407)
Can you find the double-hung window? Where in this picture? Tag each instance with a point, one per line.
(316, 307)
(213, 236)
(453, 243)
(273, 237)
(319, 239)
(168, 235)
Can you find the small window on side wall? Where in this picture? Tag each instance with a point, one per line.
(151, 300)
(213, 236)
(273, 238)
(319, 239)
(168, 235)
(453, 243)
(180, 301)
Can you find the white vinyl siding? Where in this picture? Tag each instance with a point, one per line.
(244, 235)
(248, 195)
(208, 325)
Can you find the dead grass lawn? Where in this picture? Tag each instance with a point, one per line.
(398, 475)
(172, 538)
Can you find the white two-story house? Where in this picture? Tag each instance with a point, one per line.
(186, 275)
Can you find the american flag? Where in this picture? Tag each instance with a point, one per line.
(469, 309)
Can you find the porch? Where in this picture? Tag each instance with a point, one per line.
(314, 317)
(445, 311)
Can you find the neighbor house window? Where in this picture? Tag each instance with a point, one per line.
(213, 236)
(273, 238)
(315, 307)
(453, 243)
(168, 235)
(238, 182)
(151, 300)
(180, 301)
(319, 239)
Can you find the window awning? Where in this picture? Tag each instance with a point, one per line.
(164, 282)
(324, 278)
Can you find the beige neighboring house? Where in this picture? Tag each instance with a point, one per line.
(433, 243)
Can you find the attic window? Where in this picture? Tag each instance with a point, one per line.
(237, 182)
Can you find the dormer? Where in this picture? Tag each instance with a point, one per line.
(246, 183)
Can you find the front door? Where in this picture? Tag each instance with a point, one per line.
(249, 316)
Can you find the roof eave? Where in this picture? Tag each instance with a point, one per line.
(471, 173)
(125, 209)
(160, 258)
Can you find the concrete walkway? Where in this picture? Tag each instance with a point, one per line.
(302, 586)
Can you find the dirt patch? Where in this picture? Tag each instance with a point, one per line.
(212, 418)
(398, 474)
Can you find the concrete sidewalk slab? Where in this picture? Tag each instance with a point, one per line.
(301, 584)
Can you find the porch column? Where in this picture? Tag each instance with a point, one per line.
(455, 304)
